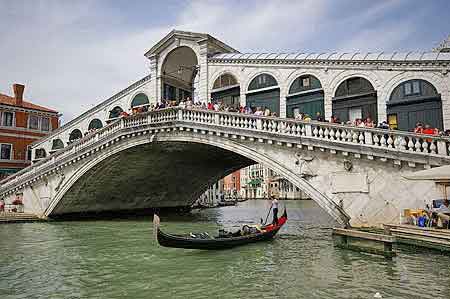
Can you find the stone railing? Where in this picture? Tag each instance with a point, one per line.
(375, 138)
(249, 125)
(160, 116)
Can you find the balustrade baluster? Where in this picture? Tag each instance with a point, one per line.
(354, 137)
(315, 132)
(410, 144)
(376, 140)
(302, 130)
(425, 146)
(326, 133)
(390, 141)
(417, 145)
(332, 133)
(433, 147)
(361, 137)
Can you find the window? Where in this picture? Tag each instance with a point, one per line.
(29, 153)
(40, 153)
(8, 118)
(408, 88)
(33, 122)
(6, 152)
(416, 87)
(45, 124)
(305, 82)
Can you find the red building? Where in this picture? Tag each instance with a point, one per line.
(21, 123)
(232, 183)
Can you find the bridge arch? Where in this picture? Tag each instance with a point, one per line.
(179, 71)
(238, 154)
(114, 112)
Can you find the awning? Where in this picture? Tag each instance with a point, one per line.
(437, 174)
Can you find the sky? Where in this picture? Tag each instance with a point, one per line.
(71, 55)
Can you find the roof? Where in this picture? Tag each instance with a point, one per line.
(188, 35)
(334, 56)
(438, 174)
(10, 101)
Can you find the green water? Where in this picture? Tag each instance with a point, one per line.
(120, 259)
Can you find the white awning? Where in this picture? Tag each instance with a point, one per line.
(438, 174)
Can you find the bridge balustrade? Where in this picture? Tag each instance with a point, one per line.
(388, 140)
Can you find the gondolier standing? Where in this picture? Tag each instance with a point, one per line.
(275, 210)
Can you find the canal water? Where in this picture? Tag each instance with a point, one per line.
(120, 259)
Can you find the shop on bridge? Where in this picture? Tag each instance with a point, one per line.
(414, 101)
(226, 90)
(264, 92)
(355, 98)
(305, 96)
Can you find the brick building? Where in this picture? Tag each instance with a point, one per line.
(21, 123)
(232, 184)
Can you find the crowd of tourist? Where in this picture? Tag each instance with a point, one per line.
(218, 106)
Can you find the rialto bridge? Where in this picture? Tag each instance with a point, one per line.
(167, 158)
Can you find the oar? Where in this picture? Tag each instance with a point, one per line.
(268, 214)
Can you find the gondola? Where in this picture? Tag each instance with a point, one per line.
(248, 234)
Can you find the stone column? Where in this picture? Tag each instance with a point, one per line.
(155, 82)
(203, 63)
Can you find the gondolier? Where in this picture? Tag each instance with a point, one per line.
(275, 210)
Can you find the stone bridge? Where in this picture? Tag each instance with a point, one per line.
(167, 158)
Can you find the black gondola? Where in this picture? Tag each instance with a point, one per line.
(204, 241)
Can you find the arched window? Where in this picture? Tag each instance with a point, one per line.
(305, 97)
(57, 144)
(139, 100)
(74, 135)
(355, 98)
(304, 83)
(225, 80)
(260, 95)
(226, 91)
(353, 86)
(95, 124)
(40, 153)
(414, 101)
(262, 81)
(115, 112)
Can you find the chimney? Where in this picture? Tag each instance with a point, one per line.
(18, 93)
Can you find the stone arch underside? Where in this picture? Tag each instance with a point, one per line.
(163, 174)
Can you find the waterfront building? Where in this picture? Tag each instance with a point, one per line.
(22, 123)
(232, 184)
(259, 182)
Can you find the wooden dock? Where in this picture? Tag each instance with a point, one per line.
(358, 240)
(382, 242)
(419, 236)
(10, 217)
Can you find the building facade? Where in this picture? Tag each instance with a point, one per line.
(259, 182)
(401, 88)
(232, 184)
(22, 123)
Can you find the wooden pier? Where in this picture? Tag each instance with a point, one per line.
(382, 243)
(419, 236)
(358, 240)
